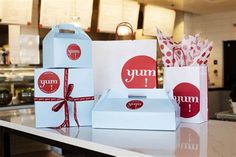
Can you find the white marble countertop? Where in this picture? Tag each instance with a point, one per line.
(210, 139)
(16, 107)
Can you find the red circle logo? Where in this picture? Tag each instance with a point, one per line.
(73, 51)
(139, 72)
(188, 98)
(48, 82)
(134, 104)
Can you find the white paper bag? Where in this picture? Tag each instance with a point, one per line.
(189, 87)
(124, 64)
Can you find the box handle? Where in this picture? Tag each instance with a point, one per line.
(66, 31)
(70, 29)
(137, 96)
(65, 27)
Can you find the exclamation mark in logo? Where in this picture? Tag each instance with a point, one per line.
(189, 107)
(51, 86)
(145, 82)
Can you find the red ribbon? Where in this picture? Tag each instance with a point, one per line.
(68, 88)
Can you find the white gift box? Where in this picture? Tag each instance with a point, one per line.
(67, 46)
(52, 86)
(124, 64)
(149, 109)
(189, 87)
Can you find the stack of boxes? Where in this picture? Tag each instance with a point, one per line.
(64, 88)
(64, 91)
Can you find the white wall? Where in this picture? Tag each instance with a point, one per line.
(216, 27)
(15, 31)
(178, 32)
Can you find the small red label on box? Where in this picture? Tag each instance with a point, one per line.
(48, 82)
(134, 104)
(73, 51)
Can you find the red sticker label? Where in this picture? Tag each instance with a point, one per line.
(188, 98)
(73, 51)
(48, 82)
(139, 72)
(134, 104)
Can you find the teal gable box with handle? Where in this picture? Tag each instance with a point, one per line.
(67, 46)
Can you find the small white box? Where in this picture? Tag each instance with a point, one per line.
(50, 86)
(67, 46)
(147, 109)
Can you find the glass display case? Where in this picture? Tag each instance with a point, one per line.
(16, 85)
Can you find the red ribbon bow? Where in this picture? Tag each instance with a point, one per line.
(68, 88)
